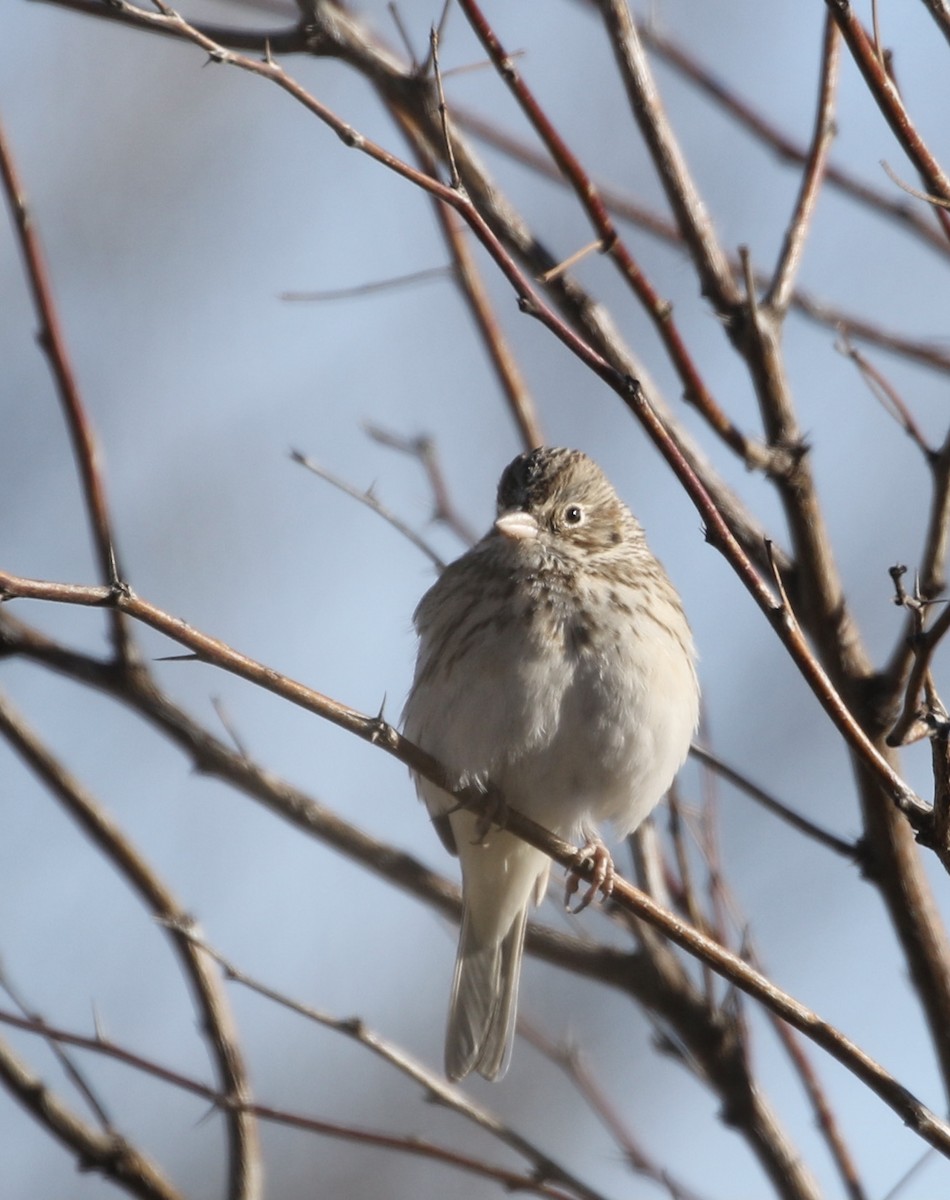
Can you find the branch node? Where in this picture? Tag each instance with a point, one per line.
(381, 733)
(119, 590)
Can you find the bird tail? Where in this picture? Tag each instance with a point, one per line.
(484, 1001)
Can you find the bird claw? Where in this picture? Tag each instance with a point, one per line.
(602, 874)
(495, 812)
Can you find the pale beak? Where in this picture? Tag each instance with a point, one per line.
(517, 524)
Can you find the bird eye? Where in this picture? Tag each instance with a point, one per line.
(573, 514)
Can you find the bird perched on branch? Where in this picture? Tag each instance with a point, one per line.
(555, 665)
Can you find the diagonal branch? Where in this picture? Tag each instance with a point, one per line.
(889, 101)
(511, 1180)
(377, 732)
(611, 244)
(111, 1156)
(756, 123)
(53, 342)
(513, 385)
(216, 1019)
(692, 218)
(824, 837)
(779, 294)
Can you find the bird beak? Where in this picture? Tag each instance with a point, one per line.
(517, 524)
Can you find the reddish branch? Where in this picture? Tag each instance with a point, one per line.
(780, 292)
(105, 1152)
(888, 98)
(844, 678)
(53, 343)
(377, 732)
(146, 1186)
(659, 311)
(751, 119)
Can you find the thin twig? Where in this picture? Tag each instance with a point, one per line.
(893, 1193)
(934, 557)
(687, 889)
(397, 282)
(598, 247)
(568, 1057)
(925, 645)
(53, 342)
(454, 177)
(66, 1061)
(780, 291)
(824, 1112)
(397, 20)
(831, 841)
(114, 1158)
(938, 201)
(469, 281)
(375, 505)
(377, 732)
(423, 450)
(407, 1144)
(887, 395)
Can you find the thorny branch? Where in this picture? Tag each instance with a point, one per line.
(534, 1184)
(53, 342)
(807, 588)
(375, 731)
(628, 389)
(216, 1018)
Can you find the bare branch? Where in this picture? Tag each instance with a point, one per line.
(469, 281)
(377, 732)
(940, 11)
(572, 1062)
(410, 279)
(423, 450)
(216, 1020)
(824, 837)
(610, 244)
(882, 88)
(110, 1155)
(887, 395)
(938, 201)
(779, 294)
(691, 215)
(372, 502)
(53, 342)
(407, 1144)
(66, 1061)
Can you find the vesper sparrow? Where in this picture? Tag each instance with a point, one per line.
(555, 663)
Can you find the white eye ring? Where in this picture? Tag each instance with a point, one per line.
(573, 514)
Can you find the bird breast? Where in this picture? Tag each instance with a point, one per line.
(578, 701)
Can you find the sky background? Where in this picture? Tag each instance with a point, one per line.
(176, 202)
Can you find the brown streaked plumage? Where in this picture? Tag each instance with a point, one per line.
(556, 663)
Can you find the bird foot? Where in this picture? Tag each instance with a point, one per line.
(495, 812)
(601, 878)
